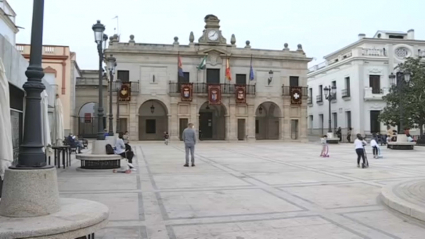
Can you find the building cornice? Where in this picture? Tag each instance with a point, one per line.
(10, 23)
(342, 63)
(372, 40)
(48, 57)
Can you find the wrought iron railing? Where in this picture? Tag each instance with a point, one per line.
(286, 90)
(345, 93)
(202, 88)
(319, 98)
(309, 100)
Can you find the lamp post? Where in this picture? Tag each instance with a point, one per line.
(118, 85)
(100, 38)
(31, 155)
(330, 95)
(111, 63)
(399, 80)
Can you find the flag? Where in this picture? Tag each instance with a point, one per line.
(180, 66)
(251, 71)
(228, 74)
(203, 63)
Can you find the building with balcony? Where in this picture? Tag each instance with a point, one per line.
(360, 72)
(240, 108)
(60, 69)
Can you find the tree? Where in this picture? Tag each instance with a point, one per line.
(412, 95)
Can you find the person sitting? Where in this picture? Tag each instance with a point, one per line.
(120, 149)
(410, 138)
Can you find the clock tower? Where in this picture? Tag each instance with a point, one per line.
(212, 33)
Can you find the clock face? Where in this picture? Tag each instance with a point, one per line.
(213, 35)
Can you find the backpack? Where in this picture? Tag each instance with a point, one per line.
(109, 149)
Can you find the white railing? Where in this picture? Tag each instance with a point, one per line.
(20, 48)
(374, 52)
(49, 49)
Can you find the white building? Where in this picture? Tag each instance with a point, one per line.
(7, 22)
(360, 73)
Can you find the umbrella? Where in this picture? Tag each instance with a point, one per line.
(59, 130)
(6, 147)
(47, 141)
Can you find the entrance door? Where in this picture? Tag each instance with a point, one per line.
(123, 125)
(183, 125)
(375, 125)
(294, 129)
(241, 129)
(205, 125)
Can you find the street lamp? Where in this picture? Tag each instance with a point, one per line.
(118, 85)
(330, 93)
(111, 63)
(402, 78)
(100, 38)
(152, 109)
(269, 80)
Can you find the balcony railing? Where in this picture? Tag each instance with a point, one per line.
(319, 98)
(286, 91)
(202, 88)
(90, 81)
(345, 93)
(309, 100)
(374, 52)
(134, 87)
(370, 95)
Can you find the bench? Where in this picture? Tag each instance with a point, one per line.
(401, 143)
(99, 161)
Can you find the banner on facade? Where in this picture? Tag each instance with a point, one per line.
(186, 91)
(240, 91)
(125, 92)
(214, 94)
(296, 95)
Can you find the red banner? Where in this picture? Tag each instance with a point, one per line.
(296, 95)
(186, 91)
(87, 117)
(240, 91)
(214, 94)
(125, 92)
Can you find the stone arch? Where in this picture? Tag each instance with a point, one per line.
(212, 122)
(153, 120)
(87, 120)
(268, 116)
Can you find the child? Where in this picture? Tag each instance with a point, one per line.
(325, 147)
(375, 146)
(166, 136)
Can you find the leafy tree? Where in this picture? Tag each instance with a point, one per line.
(412, 95)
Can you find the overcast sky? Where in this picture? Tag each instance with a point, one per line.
(321, 26)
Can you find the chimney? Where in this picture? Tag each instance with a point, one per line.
(411, 34)
(361, 36)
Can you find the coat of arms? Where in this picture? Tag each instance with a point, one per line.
(214, 94)
(186, 92)
(240, 93)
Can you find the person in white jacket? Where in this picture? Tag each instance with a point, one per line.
(374, 144)
(359, 144)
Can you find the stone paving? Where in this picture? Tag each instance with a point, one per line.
(263, 190)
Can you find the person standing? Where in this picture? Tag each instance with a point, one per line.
(374, 144)
(166, 136)
(189, 139)
(359, 144)
(325, 148)
(338, 133)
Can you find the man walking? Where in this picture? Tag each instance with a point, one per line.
(189, 139)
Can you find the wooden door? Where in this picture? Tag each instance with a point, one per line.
(241, 129)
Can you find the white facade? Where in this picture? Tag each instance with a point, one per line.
(7, 22)
(360, 72)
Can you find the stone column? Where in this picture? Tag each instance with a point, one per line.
(286, 121)
(250, 124)
(173, 122)
(233, 123)
(133, 121)
(302, 125)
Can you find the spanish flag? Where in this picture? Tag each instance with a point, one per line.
(228, 74)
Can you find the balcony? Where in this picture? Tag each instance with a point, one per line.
(83, 81)
(286, 91)
(371, 94)
(309, 100)
(202, 88)
(134, 87)
(345, 93)
(319, 98)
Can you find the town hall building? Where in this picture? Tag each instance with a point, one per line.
(228, 92)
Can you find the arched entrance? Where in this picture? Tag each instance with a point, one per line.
(153, 120)
(267, 121)
(87, 121)
(212, 122)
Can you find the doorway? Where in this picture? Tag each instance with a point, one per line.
(212, 122)
(267, 121)
(153, 120)
(375, 125)
(241, 129)
(294, 129)
(182, 125)
(205, 125)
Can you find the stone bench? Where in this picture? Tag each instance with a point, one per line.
(401, 143)
(99, 161)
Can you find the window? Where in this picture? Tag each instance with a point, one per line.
(335, 120)
(240, 79)
(311, 123)
(124, 76)
(321, 123)
(185, 78)
(375, 125)
(346, 91)
(213, 76)
(257, 126)
(320, 90)
(293, 81)
(348, 116)
(375, 83)
(150, 126)
(310, 92)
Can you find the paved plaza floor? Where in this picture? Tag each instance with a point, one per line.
(263, 190)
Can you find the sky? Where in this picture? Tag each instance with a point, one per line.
(321, 26)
